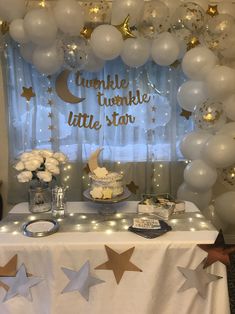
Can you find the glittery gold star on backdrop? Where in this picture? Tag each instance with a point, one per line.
(154, 109)
(49, 90)
(50, 115)
(132, 187)
(186, 114)
(125, 29)
(28, 93)
(119, 263)
(86, 32)
(212, 10)
(50, 102)
(193, 42)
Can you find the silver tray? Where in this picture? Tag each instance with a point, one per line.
(42, 232)
(125, 195)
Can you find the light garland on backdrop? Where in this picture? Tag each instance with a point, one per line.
(198, 33)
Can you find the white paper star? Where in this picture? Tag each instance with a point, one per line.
(81, 280)
(20, 284)
(197, 278)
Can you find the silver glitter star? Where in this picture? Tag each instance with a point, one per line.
(20, 284)
(81, 280)
(197, 278)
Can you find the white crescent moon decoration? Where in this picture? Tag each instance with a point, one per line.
(62, 89)
(93, 160)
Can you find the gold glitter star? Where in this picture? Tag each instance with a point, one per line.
(193, 42)
(50, 102)
(186, 114)
(212, 10)
(49, 90)
(86, 32)
(124, 28)
(28, 93)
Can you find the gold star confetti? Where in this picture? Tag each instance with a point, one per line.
(132, 187)
(50, 115)
(212, 10)
(124, 28)
(86, 32)
(4, 27)
(119, 263)
(49, 90)
(186, 114)
(28, 93)
(50, 102)
(193, 42)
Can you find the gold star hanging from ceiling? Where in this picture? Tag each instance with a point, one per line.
(9, 270)
(132, 187)
(212, 10)
(49, 90)
(119, 263)
(4, 27)
(193, 42)
(186, 114)
(86, 32)
(125, 29)
(28, 93)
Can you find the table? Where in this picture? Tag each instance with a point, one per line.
(152, 291)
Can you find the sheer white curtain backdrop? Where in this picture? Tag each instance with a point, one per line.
(145, 150)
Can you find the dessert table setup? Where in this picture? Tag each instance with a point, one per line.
(117, 164)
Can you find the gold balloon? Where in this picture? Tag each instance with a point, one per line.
(86, 32)
(212, 10)
(125, 29)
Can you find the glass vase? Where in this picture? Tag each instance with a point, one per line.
(39, 197)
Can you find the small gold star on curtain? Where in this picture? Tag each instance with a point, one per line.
(125, 29)
(50, 115)
(154, 109)
(50, 102)
(86, 169)
(132, 187)
(193, 42)
(119, 263)
(49, 90)
(186, 114)
(52, 140)
(28, 93)
(212, 10)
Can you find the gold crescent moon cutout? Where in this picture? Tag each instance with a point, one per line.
(62, 89)
(93, 160)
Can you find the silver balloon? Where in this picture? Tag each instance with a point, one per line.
(75, 54)
(210, 115)
(155, 19)
(190, 16)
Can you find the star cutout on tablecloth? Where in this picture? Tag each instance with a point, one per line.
(197, 278)
(119, 263)
(86, 169)
(81, 280)
(28, 93)
(20, 284)
(49, 90)
(217, 252)
(186, 114)
(9, 269)
(212, 10)
(132, 187)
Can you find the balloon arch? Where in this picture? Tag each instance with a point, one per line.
(83, 35)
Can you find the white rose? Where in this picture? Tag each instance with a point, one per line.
(24, 176)
(60, 157)
(26, 156)
(32, 164)
(46, 153)
(52, 168)
(52, 161)
(45, 176)
(19, 166)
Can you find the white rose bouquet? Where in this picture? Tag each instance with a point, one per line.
(42, 165)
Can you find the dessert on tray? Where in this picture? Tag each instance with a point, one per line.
(104, 184)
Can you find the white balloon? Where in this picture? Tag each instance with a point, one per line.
(191, 94)
(229, 107)
(165, 49)
(40, 26)
(135, 52)
(106, 42)
(172, 5)
(12, 9)
(226, 7)
(225, 207)
(197, 63)
(94, 64)
(203, 3)
(220, 82)
(200, 176)
(228, 130)
(48, 60)
(17, 31)
(192, 144)
(121, 8)
(26, 51)
(219, 151)
(69, 17)
(200, 199)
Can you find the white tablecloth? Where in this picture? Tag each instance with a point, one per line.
(153, 291)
